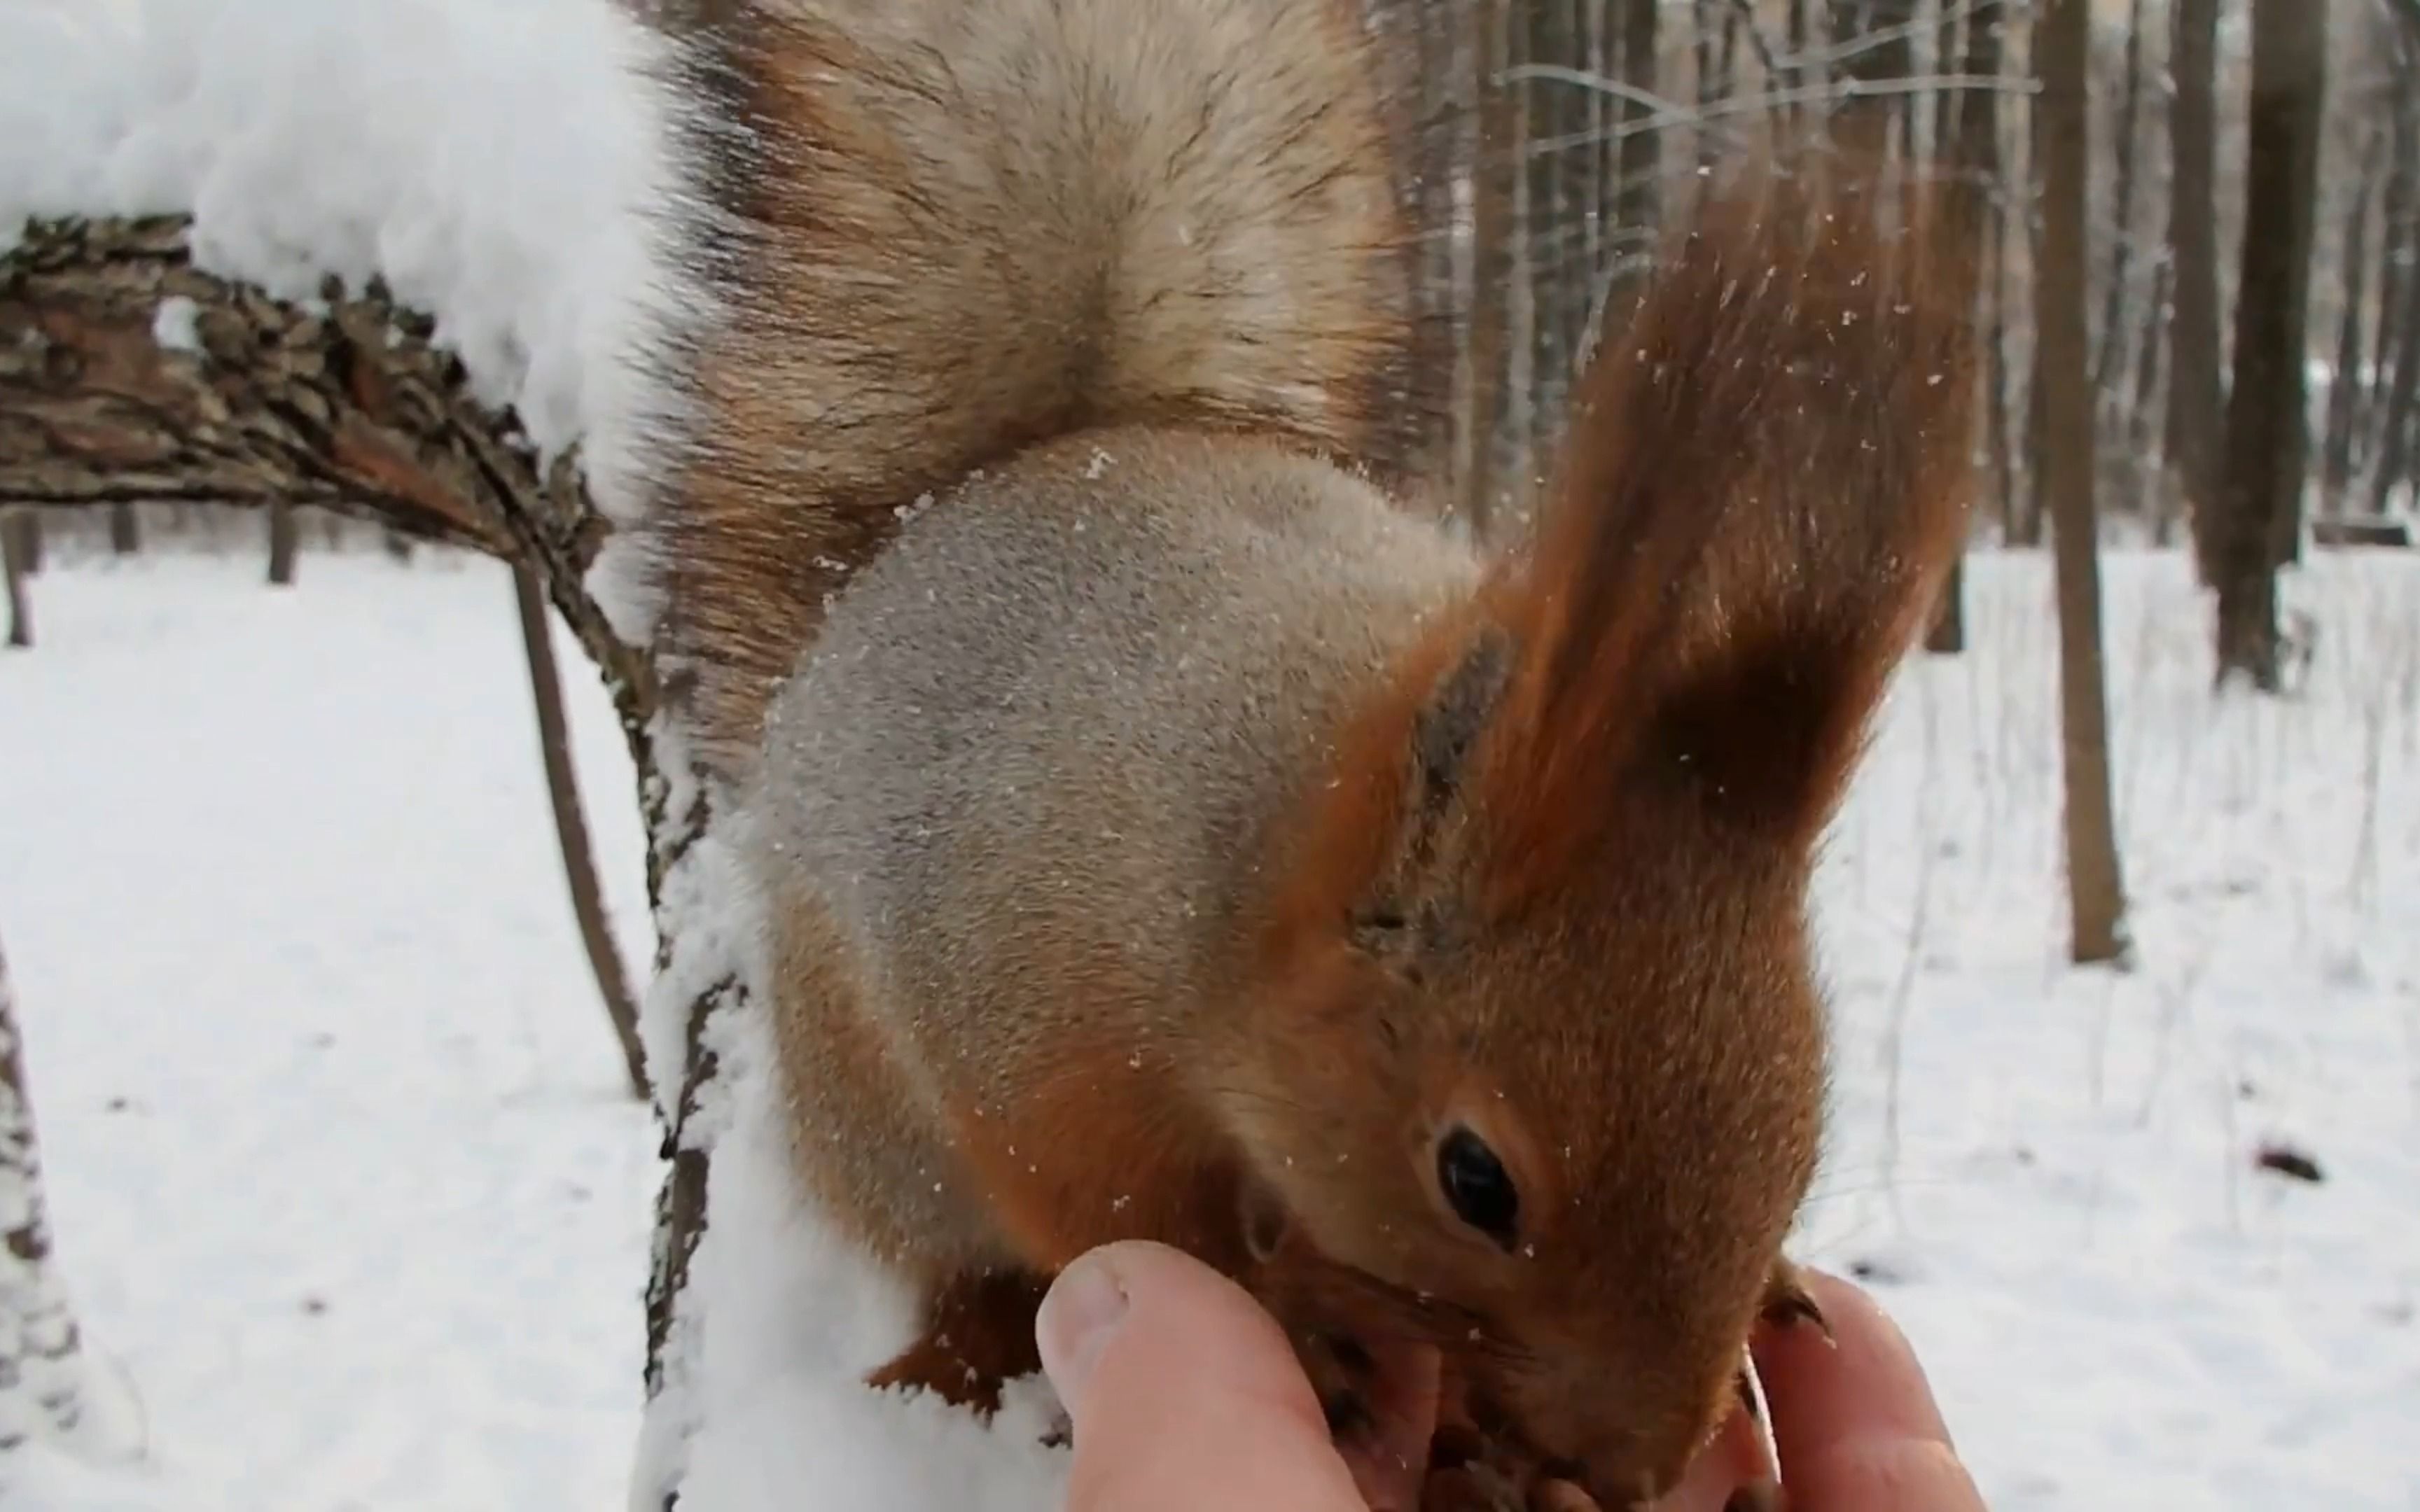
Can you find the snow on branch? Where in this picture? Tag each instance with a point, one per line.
(499, 166)
(347, 403)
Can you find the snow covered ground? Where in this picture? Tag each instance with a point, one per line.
(343, 1167)
(344, 1180)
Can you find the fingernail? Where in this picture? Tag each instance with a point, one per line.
(1079, 1316)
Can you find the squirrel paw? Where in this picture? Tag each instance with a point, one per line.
(1342, 1373)
(1479, 1463)
(978, 1336)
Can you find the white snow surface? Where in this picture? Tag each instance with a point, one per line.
(344, 1183)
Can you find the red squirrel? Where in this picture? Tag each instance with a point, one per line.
(1161, 829)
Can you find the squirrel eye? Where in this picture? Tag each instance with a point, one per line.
(1477, 1187)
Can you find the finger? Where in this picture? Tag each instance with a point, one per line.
(1884, 1475)
(1863, 1381)
(1185, 1394)
(1854, 1417)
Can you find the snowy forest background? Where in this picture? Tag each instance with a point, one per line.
(318, 848)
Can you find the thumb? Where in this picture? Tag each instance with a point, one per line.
(1185, 1394)
(1856, 1421)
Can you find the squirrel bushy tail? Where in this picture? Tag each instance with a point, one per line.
(939, 233)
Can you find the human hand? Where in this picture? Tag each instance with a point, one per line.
(1186, 1398)
(1853, 1419)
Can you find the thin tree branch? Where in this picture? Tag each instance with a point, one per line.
(571, 827)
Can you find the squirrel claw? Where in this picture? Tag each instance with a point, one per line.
(1788, 1303)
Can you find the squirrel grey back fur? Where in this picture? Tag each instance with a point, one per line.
(1052, 722)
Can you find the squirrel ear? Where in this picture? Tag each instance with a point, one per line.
(1401, 909)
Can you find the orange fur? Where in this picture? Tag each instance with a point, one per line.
(1763, 484)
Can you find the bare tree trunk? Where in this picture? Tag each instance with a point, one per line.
(1587, 192)
(2398, 312)
(1550, 225)
(2032, 500)
(1415, 50)
(1487, 353)
(2196, 367)
(2000, 428)
(1439, 33)
(2148, 414)
(12, 566)
(1880, 49)
(1952, 38)
(2126, 136)
(1717, 33)
(42, 1348)
(282, 542)
(571, 827)
(1638, 200)
(1971, 145)
(2347, 386)
(2096, 892)
(2266, 421)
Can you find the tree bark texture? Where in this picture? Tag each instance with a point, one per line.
(2266, 420)
(2197, 365)
(2095, 889)
(42, 1348)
